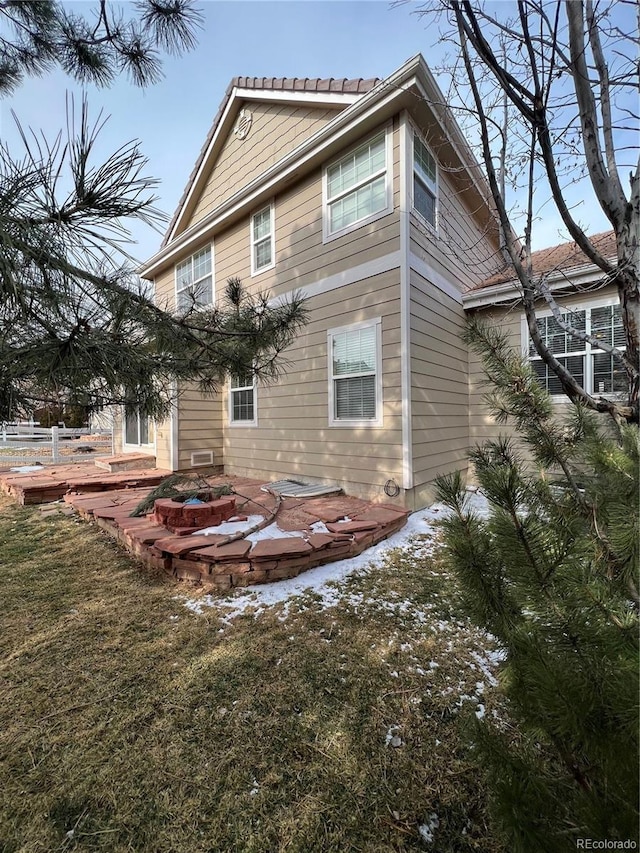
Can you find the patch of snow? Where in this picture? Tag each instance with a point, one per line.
(393, 731)
(481, 711)
(324, 580)
(487, 661)
(229, 527)
(319, 527)
(272, 531)
(27, 469)
(427, 830)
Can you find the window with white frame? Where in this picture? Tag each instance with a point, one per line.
(138, 429)
(355, 380)
(194, 280)
(262, 240)
(425, 181)
(357, 187)
(242, 400)
(597, 371)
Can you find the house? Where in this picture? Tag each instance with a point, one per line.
(364, 195)
(582, 292)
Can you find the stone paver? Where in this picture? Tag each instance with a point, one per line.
(213, 561)
(273, 549)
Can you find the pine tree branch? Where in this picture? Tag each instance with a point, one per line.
(558, 316)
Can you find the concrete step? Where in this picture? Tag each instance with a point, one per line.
(126, 462)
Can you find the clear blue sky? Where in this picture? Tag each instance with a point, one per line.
(171, 119)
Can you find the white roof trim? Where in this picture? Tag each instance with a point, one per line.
(318, 99)
(510, 291)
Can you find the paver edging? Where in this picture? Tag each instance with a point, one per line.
(276, 559)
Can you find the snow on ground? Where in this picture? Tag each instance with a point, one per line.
(272, 531)
(323, 580)
(427, 830)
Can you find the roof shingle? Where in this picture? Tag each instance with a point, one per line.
(564, 256)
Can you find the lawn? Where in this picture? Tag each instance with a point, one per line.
(331, 721)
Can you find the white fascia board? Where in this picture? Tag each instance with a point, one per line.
(366, 105)
(308, 98)
(509, 291)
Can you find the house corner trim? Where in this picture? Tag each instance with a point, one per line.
(405, 306)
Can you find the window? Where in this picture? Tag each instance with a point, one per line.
(138, 429)
(194, 280)
(356, 188)
(425, 186)
(242, 401)
(262, 241)
(355, 376)
(595, 370)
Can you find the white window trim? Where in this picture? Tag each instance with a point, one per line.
(586, 353)
(129, 448)
(433, 228)
(251, 423)
(328, 236)
(378, 421)
(213, 277)
(272, 235)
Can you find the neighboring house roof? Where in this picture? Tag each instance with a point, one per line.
(342, 85)
(566, 260)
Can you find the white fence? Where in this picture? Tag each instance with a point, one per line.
(29, 443)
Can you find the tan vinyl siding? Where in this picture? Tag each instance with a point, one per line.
(199, 426)
(276, 130)
(439, 383)
(459, 248)
(165, 289)
(482, 426)
(300, 255)
(293, 438)
(163, 445)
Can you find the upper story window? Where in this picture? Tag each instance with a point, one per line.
(242, 401)
(425, 182)
(262, 240)
(597, 371)
(355, 375)
(194, 280)
(357, 188)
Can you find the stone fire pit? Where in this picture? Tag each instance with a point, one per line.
(185, 516)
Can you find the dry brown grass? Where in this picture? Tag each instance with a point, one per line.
(128, 723)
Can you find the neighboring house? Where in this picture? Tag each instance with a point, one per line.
(364, 195)
(582, 293)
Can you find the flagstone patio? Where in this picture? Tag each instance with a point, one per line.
(254, 535)
(284, 536)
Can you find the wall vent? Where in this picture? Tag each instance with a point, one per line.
(201, 457)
